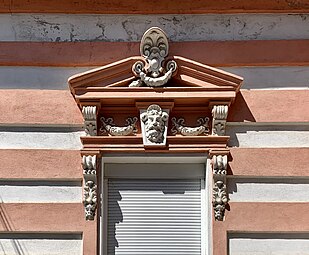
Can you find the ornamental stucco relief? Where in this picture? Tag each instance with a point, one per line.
(90, 120)
(219, 114)
(154, 123)
(90, 186)
(109, 127)
(220, 196)
(166, 88)
(179, 127)
(154, 72)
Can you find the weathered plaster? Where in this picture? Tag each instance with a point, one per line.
(63, 27)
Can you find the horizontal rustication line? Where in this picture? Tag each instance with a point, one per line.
(41, 165)
(215, 53)
(146, 7)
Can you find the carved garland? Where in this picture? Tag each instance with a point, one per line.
(90, 186)
(109, 127)
(179, 127)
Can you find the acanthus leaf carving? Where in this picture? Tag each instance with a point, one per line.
(90, 186)
(220, 199)
(90, 199)
(90, 120)
(154, 49)
(109, 127)
(219, 114)
(220, 196)
(179, 127)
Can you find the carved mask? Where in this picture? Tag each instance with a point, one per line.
(155, 121)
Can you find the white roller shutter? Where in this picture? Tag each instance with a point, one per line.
(154, 217)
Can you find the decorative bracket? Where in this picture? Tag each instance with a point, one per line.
(90, 186)
(154, 123)
(154, 49)
(90, 120)
(109, 127)
(179, 127)
(220, 197)
(219, 114)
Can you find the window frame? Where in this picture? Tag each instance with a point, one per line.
(206, 193)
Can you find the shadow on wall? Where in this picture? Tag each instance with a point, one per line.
(239, 111)
(7, 224)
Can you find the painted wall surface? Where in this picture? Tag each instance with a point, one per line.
(40, 123)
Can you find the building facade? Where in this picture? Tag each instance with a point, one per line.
(154, 128)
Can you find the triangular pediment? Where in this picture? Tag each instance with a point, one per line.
(189, 74)
(154, 75)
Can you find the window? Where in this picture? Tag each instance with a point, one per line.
(155, 208)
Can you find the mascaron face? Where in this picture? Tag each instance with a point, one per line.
(155, 127)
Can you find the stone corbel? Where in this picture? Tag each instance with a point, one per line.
(220, 196)
(90, 185)
(109, 127)
(90, 120)
(179, 127)
(219, 114)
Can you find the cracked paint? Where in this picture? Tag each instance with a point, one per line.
(130, 28)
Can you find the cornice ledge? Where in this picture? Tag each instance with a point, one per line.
(108, 72)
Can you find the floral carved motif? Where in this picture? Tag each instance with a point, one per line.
(109, 127)
(154, 49)
(219, 114)
(90, 186)
(220, 197)
(90, 199)
(179, 127)
(90, 120)
(154, 126)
